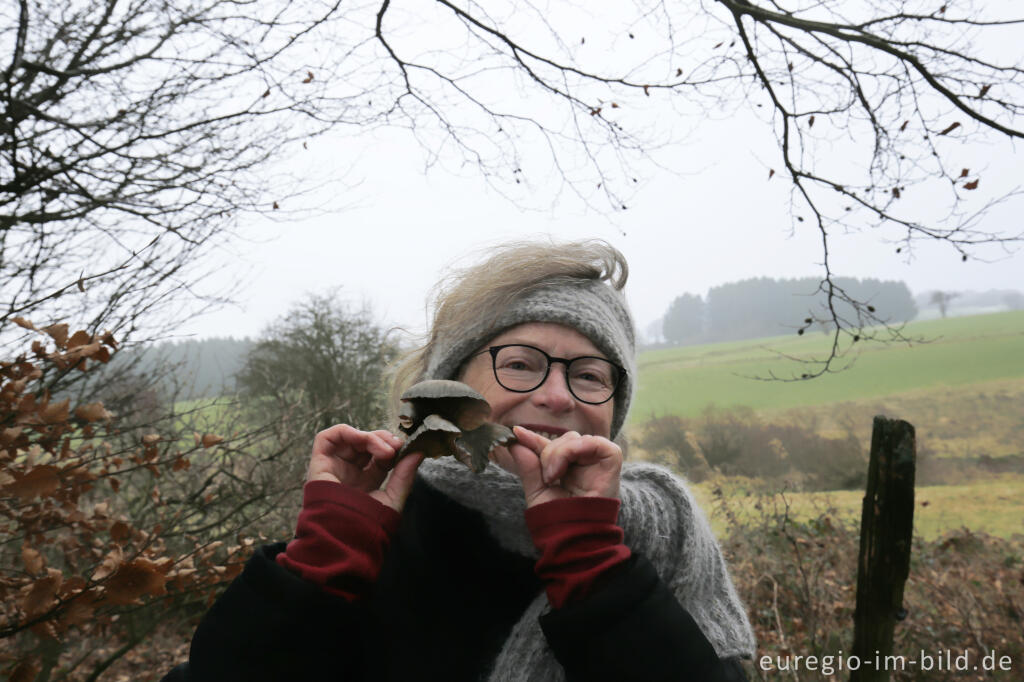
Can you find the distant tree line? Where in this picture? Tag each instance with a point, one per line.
(191, 368)
(764, 306)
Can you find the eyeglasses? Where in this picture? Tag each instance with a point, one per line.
(521, 369)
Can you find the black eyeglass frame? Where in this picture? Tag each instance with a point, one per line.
(494, 350)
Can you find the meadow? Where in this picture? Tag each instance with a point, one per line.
(992, 505)
(943, 354)
(961, 385)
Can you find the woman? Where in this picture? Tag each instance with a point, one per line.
(556, 562)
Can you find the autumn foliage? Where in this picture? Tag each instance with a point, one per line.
(90, 543)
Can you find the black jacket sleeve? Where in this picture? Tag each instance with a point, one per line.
(633, 628)
(271, 625)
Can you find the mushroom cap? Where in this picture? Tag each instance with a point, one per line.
(440, 388)
(453, 400)
(445, 417)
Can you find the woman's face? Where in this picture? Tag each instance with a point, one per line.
(551, 409)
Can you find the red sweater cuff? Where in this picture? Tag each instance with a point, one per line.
(580, 544)
(340, 539)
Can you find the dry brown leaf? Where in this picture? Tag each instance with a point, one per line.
(108, 339)
(135, 579)
(973, 184)
(58, 332)
(34, 562)
(27, 669)
(87, 350)
(120, 532)
(78, 612)
(55, 413)
(209, 440)
(41, 481)
(27, 408)
(74, 584)
(22, 322)
(9, 435)
(79, 338)
(109, 565)
(92, 412)
(43, 593)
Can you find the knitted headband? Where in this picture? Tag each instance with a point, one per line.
(591, 307)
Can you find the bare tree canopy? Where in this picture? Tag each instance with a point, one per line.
(132, 137)
(136, 133)
(871, 105)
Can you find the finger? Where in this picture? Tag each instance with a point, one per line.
(337, 439)
(330, 438)
(578, 451)
(342, 439)
(381, 449)
(401, 480)
(552, 457)
(389, 437)
(528, 467)
(533, 441)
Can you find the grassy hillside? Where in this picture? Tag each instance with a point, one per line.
(994, 506)
(952, 353)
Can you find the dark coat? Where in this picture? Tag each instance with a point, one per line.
(446, 599)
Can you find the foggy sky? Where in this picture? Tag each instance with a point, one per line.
(391, 226)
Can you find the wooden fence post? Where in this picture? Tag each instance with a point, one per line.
(886, 529)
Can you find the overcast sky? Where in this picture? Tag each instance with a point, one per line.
(396, 227)
(705, 214)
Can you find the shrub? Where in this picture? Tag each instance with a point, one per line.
(736, 442)
(965, 591)
(668, 442)
(101, 540)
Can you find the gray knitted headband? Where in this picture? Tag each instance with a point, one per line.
(590, 306)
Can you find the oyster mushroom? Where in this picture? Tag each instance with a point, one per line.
(443, 417)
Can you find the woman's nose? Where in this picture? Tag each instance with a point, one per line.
(554, 393)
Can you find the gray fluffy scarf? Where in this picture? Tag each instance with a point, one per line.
(661, 521)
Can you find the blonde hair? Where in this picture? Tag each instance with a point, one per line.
(510, 271)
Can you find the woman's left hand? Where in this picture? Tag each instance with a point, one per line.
(568, 466)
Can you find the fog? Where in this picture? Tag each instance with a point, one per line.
(387, 227)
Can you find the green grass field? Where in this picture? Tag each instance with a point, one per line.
(994, 506)
(963, 390)
(957, 352)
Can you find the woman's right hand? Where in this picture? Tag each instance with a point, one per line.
(363, 460)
